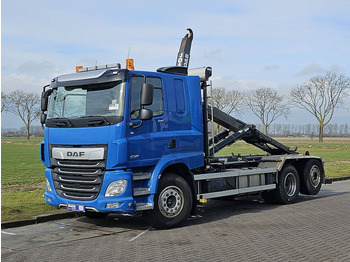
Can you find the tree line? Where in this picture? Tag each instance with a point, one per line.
(307, 130)
(276, 130)
(319, 96)
(35, 131)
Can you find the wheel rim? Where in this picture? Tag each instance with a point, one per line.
(315, 176)
(171, 201)
(290, 184)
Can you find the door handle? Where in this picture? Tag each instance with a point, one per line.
(172, 143)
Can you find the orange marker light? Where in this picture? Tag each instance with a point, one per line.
(77, 68)
(130, 64)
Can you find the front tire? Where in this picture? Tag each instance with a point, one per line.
(172, 203)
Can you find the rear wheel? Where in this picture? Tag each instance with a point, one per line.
(172, 203)
(312, 178)
(287, 189)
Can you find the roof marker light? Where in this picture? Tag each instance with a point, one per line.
(77, 68)
(92, 68)
(130, 64)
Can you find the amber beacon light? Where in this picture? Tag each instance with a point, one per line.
(130, 64)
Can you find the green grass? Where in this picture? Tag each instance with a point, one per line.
(335, 152)
(23, 204)
(20, 163)
(23, 178)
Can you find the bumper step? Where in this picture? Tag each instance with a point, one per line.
(143, 206)
(141, 191)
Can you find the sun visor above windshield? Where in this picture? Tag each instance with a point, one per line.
(90, 77)
(81, 76)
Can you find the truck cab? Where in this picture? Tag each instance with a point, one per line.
(111, 133)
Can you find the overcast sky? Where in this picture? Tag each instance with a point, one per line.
(249, 44)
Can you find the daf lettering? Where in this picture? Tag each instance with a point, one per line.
(76, 154)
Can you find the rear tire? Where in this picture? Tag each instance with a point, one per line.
(172, 203)
(312, 178)
(287, 189)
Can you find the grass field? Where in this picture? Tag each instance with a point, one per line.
(335, 152)
(23, 179)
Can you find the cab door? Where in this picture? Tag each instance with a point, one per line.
(150, 141)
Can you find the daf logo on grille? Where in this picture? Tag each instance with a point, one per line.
(75, 154)
(90, 153)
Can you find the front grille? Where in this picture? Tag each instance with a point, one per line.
(79, 180)
(78, 163)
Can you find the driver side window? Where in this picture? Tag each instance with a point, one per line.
(158, 103)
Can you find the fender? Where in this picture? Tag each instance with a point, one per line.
(190, 159)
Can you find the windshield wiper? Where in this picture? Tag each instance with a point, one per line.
(100, 116)
(60, 121)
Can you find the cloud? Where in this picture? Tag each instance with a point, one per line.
(271, 67)
(33, 66)
(311, 70)
(25, 82)
(214, 54)
(314, 69)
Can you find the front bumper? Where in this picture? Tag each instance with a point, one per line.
(125, 199)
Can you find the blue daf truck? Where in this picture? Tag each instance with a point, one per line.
(118, 140)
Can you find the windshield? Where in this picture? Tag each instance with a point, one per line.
(98, 100)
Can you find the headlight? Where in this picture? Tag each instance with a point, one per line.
(48, 187)
(116, 188)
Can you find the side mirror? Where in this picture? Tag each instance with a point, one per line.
(45, 99)
(146, 94)
(43, 118)
(146, 114)
(146, 99)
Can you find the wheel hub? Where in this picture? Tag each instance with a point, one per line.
(171, 201)
(315, 176)
(290, 184)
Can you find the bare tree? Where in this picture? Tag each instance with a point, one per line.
(25, 105)
(226, 100)
(4, 101)
(320, 96)
(267, 105)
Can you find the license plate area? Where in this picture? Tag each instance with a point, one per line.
(75, 208)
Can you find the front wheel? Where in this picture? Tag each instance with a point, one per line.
(172, 203)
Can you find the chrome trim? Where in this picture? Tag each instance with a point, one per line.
(77, 189)
(77, 173)
(76, 181)
(86, 208)
(75, 197)
(66, 165)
